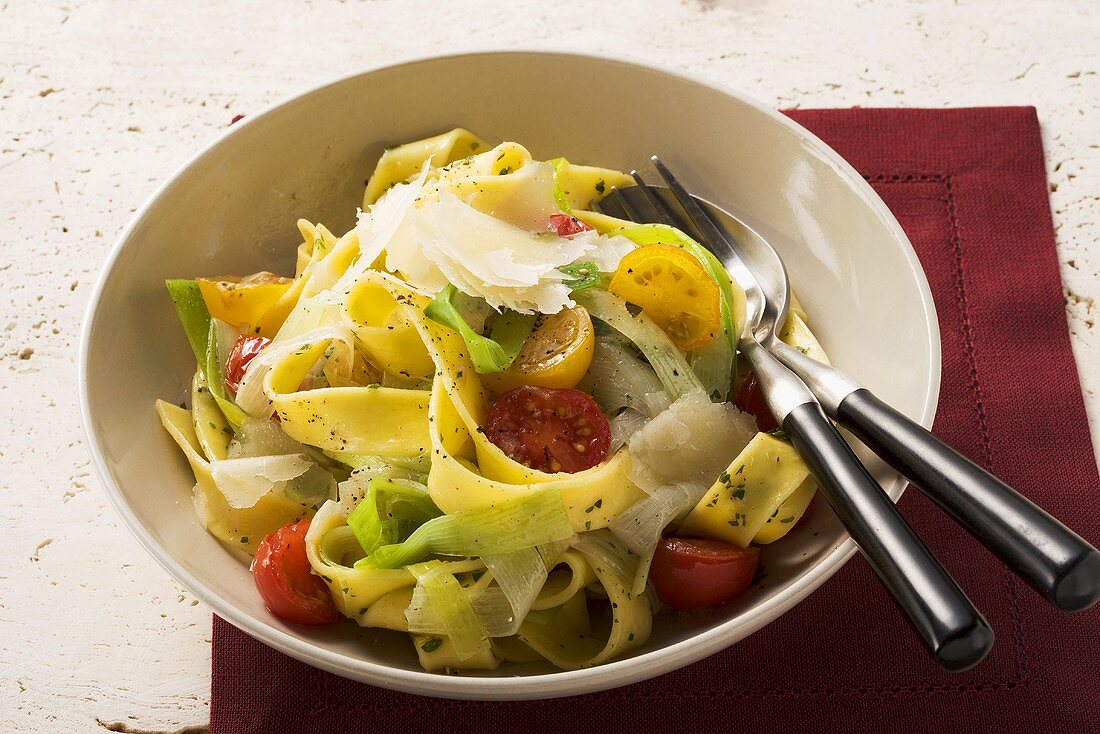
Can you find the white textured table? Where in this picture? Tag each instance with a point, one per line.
(99, 101)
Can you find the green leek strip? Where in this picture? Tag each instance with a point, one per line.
(714, 363)
(510, 330)
(551, 552)
(200, 330)
(489, 354)
(532, 520)
(672, 369)
(453, 608)
(520, 575)
(609, 552)
(388, 512)
(213, 371)
(500, 599)
(366, 523)
(406, 506)
(193, 314)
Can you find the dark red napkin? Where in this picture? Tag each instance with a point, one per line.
(969, 188)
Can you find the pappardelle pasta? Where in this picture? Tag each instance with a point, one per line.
(488, 416)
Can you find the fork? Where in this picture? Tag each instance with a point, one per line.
(1051, 558)
(941, 614)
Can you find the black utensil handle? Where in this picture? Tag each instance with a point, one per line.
(1053, 559)
(937, 608)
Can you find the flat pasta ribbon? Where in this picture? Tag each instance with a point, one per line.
(239, 527)
(565, 636)
(456, 412)
(356, 369)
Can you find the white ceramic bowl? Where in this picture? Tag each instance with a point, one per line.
(232, 209)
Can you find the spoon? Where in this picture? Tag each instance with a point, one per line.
(944, 618)
(1050, 557)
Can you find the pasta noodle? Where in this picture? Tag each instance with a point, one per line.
(383, 367)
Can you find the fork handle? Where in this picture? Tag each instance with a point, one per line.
(1053, 559)
(1050, 557)
(937, 608)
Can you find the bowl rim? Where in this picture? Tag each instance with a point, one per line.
(543, 685)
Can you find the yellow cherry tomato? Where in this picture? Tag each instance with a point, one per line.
(671, 287)
(557, 354)
(242, 301)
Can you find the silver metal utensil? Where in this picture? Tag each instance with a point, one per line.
(939, 611)
(1050, 557)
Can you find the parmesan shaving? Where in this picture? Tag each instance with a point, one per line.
(604, 251)
(494, 247)
(691, 442)
(484, 256)
(383, 229)
(244, 481)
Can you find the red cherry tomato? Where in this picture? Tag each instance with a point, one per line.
(285, 579)
(244, 351)
(750, 399)
(549, 429)
(566, 225)
(689, 574)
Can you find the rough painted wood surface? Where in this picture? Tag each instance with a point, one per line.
(99, 101)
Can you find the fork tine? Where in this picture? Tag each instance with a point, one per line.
(659, 207)
(612, 205)
(628, 208)
(669, 213)
(712, 235)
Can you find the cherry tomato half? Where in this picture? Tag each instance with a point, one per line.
(673, 289)
(244, 351)
(285, 579)
(566, 225)
(549, 429)
(557, 354)
(689, 574)
(750, 399)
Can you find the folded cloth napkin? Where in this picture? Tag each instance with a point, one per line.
(968, 186)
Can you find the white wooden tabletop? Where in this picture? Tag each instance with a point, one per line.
(101, 100)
